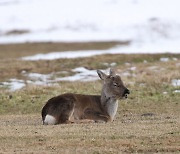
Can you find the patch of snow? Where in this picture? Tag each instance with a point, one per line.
(175, 82)
(40, 77)
(105, 64)
(110, 65)
(150, 28)
(164, 59)
(88, 53)
(174, 58)
(145, 61)
(14, 84)
(23, 71)
(176, 91)
(132, 68)
(113, 64)
(60, 55)
(165, 92)
(82, 74)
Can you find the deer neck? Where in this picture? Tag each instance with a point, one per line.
(109, 104)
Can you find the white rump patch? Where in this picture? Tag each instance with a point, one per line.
(49, 120)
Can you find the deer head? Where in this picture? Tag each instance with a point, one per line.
(113, 87)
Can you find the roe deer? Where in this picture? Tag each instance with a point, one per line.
(69, 107)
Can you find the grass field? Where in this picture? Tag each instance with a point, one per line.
(147, 122)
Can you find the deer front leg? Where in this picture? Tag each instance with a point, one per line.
(96, 116)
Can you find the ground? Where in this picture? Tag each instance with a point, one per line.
(148, 121)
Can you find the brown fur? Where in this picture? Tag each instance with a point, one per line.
(69, 107)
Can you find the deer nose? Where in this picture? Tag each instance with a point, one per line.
(127, 91)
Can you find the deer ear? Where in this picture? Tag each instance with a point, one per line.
(112, 72)
(101, 74)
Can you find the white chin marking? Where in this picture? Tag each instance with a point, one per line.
(49, 120)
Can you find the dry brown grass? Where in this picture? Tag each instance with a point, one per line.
(147, 122)
(13, 68)
(8, 51)
(128, 134)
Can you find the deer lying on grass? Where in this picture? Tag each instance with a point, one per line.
(68, 108)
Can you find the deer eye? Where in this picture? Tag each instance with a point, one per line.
(115, 84)
(111, 77)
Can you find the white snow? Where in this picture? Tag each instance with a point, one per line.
(81, 74)
(176, 91)
(14, 84)
(89, 53)
(113, 64)
(66, 54)
(175, 82)
(174, 58)
(165, 92)
(151, 25)
(40, 77)
(132, 68)
(164, 59)
(145, 61)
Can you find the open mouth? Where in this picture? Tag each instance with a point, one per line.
(126, 93)
(126, 96)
